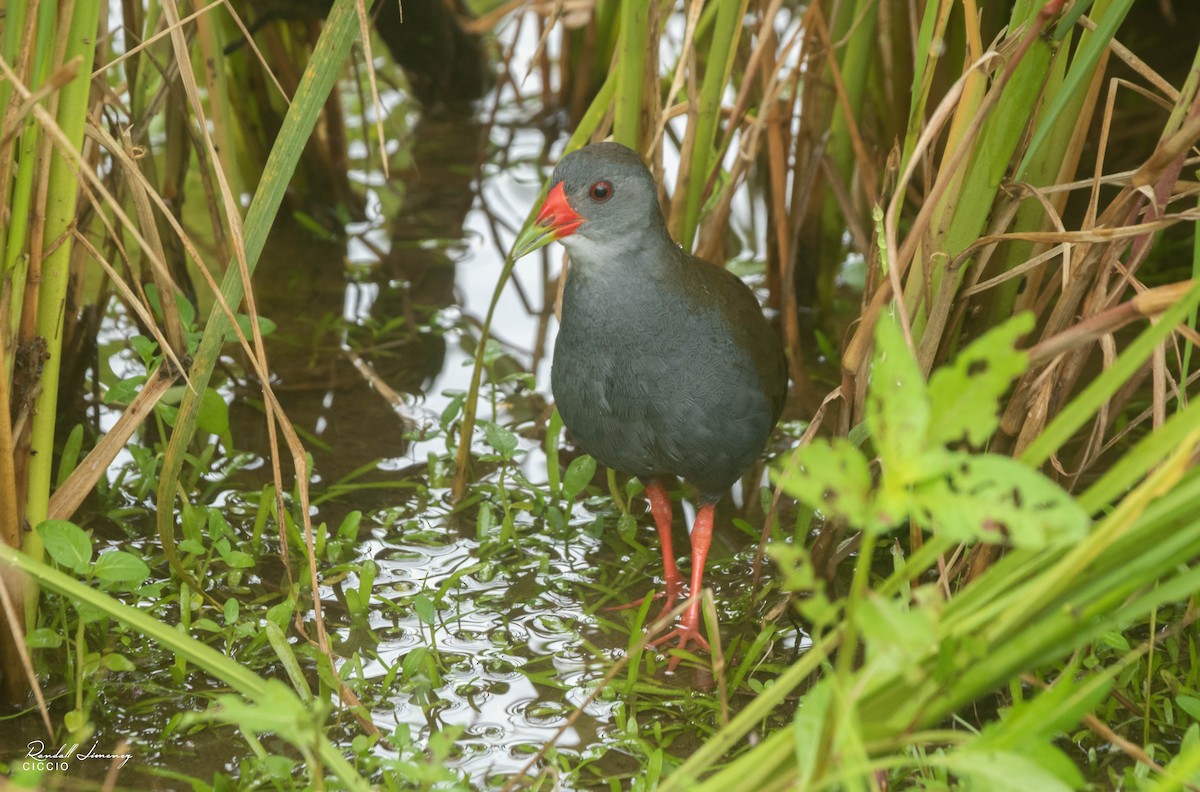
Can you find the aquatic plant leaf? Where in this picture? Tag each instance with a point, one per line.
(67, 543)
(117, 566)
(213, 416)
(993, 498)
(833, 478)
(897, 409)
(579, 474)
(123, 392)
(1190, 705)
(425, 610)
(501, 438)
(965, 396)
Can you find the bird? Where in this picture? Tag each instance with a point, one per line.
(664, 366)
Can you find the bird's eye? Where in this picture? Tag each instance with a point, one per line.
(601, 191)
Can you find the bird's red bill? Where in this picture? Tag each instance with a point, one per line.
(555, 220)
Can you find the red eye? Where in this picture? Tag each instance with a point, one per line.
(601, 191)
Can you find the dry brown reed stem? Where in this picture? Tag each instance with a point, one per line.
(1135, 63)
(692, 16)
(555, 13)
(709, 245)
(866, 166)
(1088, 293)
(15, 118)
(486, 22)
(167, 288)
(13, 650)
(12, 586)
(364, 31)
(766, 39)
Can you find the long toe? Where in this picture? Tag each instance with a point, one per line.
(637, 603)
(687, 633)
(669, 597)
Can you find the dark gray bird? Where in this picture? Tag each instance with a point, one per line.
(664, 365)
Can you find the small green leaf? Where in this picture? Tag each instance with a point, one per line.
(190, 546)
(146, 349)
(627, 527)
(43, 638)
(265, 326)
(67, 544)
(423, 606)
(492, 351)
(117, 566)
(213, 414)
(281, 614)
(238, 560)
(349, 527)
(501, 439)
(414, 662)
(965, 396)
(117, 662)
(484, 521)
(1190, 705)
(124, 392)
(897, 409)
(74, 720)
(452, 409)
(579, 474)
(70, 454)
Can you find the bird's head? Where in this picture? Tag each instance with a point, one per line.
(601, 194)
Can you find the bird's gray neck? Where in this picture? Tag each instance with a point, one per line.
(629, 258)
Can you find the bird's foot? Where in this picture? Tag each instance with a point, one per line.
(687, 632)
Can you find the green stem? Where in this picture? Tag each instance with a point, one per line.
(730, 14)
(52, 294)
(631, 64)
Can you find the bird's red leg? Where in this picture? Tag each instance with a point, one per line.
(660, 507)
(688, 630)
